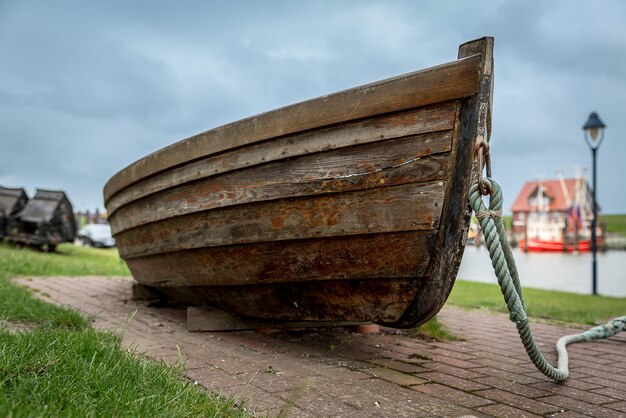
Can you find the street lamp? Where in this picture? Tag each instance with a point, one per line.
(594, 135)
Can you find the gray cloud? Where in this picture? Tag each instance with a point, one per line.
(86, 88)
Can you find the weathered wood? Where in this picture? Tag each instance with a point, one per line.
(474, 124)
(414, 122)
(144, 292)
(367, 166)
(381, 300)
(46, 220)
(445, 82)
(204, 318)
(399, 255)
(347, 207)
(409, 207)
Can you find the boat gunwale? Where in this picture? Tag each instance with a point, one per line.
(314, 132)
(433, 155)
(260, 127)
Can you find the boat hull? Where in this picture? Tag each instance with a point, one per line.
(537, 245)
(356, 212)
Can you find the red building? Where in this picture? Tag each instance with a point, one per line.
(553, 210)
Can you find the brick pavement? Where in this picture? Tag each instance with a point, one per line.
(334, 372)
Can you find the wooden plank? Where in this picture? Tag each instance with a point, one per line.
(394, 162)
(415, 206)
(380, 300)
(204, 318)
(438, 84)
(144, 292)
(393, 255)
(414, 122)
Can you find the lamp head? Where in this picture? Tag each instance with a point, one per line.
(594, 126)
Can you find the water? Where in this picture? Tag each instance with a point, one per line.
(552, 271)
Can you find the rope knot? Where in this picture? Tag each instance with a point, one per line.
(488, 213)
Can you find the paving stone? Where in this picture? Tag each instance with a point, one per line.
(611, 393)
(518, 401)
(513, 377)
(619, 406)
(453, 381)
(278, 381)
(399, 366)
(605, 383)
(452, 353)
(451, 370)
(576, 383)
(396, 377)
(506, 411)
(601, 373)
(457, 396)
(524, 390)
(411, 400)
(580, 406)
(506, 366)
(583, 395)
(340, 372)
(316, 402)
(567, 414)
(214, 379)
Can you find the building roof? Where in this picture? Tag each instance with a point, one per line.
(42, 207)
(11, 200)
(552, 189)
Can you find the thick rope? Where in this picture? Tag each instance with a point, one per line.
(508, 279)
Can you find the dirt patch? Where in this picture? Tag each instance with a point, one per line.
(15, 327)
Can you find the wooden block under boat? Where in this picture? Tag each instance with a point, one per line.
(348, 207)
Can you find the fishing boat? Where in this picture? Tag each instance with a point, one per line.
(347, 207)
(555, 216)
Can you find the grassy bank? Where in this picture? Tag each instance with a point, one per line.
(62, 367)
(561, 306)
(69, 260)
(615, 224)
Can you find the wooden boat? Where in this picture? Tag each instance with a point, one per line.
(351, 206)
(46, 221)
(12, 201)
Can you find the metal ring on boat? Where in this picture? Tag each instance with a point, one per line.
(482, 151)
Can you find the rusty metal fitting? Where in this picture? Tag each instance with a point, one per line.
(482, 152)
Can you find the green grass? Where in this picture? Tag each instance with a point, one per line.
(17, 305)
(70, 260)
(65, 368)
(507, 219)
(79, 374)
(560, 306)
(434, 330)
(615, 223)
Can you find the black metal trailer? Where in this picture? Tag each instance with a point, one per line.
(46, 221)
(12, 201)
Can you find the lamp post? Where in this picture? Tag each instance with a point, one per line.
(594, 135)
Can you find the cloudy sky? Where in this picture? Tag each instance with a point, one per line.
(88, 87)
